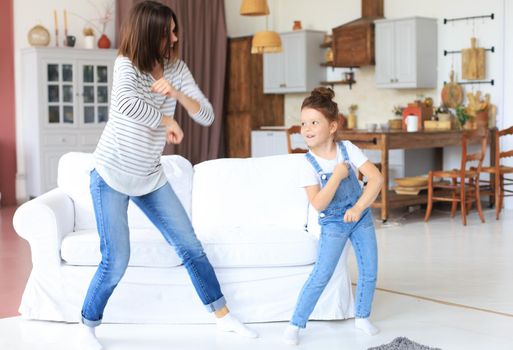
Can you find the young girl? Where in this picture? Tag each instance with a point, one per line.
(149, 80)
(329, 178)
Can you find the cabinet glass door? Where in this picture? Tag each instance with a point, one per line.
(60, 99)
(95, 82)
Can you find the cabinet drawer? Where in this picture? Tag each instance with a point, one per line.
(90, 140)
(58, 140)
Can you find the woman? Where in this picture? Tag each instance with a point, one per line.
(148, 82)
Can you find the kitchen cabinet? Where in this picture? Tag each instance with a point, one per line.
(268, 143)
(406, 53)
(297, 68)
(273, 141)
(66, 95)
(247, 107)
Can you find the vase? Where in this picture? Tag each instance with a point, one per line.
(89, 42)
(351, 121)
(104, 42)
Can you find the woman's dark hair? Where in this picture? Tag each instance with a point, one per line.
(142, 34)
(321, 99)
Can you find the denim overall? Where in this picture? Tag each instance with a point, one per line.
(334, 234)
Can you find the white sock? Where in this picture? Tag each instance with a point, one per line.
(229, 323)
(87, 338)
(291, 335)
(366, 326)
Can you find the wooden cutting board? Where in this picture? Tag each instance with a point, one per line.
(473, 62)
(452, 93)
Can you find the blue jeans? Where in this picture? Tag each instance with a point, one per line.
(166, 212)
(333, 238)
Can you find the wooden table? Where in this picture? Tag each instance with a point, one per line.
(385, 141)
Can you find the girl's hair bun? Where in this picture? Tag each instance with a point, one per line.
(323, 92)
(321, 99)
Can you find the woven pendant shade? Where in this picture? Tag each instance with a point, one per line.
(254, 8)
(266, 42)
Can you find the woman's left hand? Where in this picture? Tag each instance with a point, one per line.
(352, 214)
(163, 87)
(174, 133)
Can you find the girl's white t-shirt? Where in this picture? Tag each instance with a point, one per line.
(309, 177)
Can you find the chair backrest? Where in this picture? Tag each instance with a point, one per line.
(295, 129)
(498, 153)
(480, 136)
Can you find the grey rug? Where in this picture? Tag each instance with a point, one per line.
(403, 343)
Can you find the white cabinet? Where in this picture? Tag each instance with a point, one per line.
(297, 68)
(268, 143)
(406, 53)
(66, 95)
(273, 142)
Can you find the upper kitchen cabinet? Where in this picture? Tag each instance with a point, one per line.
(406, 53)
(297, 68)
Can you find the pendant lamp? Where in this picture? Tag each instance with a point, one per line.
(254, 8)
(266, 42)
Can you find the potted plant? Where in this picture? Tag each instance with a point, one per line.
(398, 111)
(462, 116)
(89, 42)
(396, 123)
(443, 113)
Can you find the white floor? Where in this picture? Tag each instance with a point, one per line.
(440, 284)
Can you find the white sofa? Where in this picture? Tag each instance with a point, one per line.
(248, 213)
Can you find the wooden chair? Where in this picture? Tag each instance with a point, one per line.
(464, 186)
(295, 129)
(497, 172)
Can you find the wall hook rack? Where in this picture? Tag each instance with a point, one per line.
(491, 49)
(491, 82)
(447, 20)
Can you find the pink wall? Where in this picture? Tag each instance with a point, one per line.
(7, 110)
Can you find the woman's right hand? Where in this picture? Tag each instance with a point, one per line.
(341, 170)
(174, 133)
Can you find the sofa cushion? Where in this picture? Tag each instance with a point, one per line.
(249, 193)
(147, 248)
(73, 178)
(227, 247)
(262, 246)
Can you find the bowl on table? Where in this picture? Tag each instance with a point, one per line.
(414, 181)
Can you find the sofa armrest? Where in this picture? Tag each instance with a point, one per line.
(43, 222)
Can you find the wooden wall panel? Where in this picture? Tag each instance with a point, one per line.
(248, 108)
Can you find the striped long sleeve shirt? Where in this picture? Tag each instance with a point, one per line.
(128, 154)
